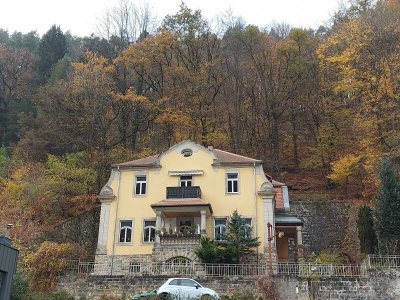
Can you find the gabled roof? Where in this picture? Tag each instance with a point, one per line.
(141, 162)
(222, 157)
(225, 157)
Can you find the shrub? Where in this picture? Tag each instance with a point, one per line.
(47, 263)
(366, 232)
(267, 287)
(330, 257)
(207, 252)
(20, 287)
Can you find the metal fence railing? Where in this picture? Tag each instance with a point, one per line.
(213, 270)
(382, 261)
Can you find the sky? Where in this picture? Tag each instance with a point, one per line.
(81, 17)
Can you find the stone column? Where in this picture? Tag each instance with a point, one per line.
(158, 228)
(267, 195)
(104, 223)
(203, 214)
(299, 242)
(299, 235)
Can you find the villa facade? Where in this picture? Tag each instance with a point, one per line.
(156, 209)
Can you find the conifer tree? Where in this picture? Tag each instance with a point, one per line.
(366, 232)
(388, 210)
(52, 48)
(239, 238)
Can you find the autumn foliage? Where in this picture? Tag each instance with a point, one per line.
(46, 264)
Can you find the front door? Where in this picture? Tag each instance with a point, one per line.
(185, 225)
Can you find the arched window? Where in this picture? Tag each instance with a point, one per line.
(125, 231)
(220, 229)
(149, 231)
(178, 261)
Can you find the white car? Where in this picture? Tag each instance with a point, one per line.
(185, 288)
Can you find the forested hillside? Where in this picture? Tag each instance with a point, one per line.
(319, 107)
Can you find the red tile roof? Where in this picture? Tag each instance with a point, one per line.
(141, 162)
(279, 198)
(228, 157)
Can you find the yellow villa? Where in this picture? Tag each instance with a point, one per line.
(155, 209)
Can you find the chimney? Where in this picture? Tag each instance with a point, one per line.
(210, 148)
(6, 240)
(9, 226)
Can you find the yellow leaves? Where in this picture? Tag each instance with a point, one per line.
(93, 75)
(148, 52)
(344, 167)
(132, 97)
(47, 263)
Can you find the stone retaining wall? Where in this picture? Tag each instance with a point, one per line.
(328, 225)
(379, 285)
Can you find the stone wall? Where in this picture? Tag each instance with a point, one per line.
(378, 285)
(96, 286)
(328, 225)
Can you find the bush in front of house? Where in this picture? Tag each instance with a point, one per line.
(237, 243)
(241, 295)
(268, 288)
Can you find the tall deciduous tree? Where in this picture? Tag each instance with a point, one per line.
(16, 73)
(52, 48)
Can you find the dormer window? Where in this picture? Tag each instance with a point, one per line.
(187, 152)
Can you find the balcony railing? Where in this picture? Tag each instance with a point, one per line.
(183, 192)
(180, 239)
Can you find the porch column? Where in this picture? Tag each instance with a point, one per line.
(299, 242)
(203, 222)
(104, 223)
(299, 235)
(158, 227)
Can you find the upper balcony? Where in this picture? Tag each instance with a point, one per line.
(181, 192)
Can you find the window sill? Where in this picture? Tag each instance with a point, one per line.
(231, 193)
(147, 243)
(124, 244)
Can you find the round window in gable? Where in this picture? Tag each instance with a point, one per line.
(187, 152)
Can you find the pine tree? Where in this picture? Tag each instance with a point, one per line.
(366, 232)
(52, 48)
(388, 210)
(239, 238)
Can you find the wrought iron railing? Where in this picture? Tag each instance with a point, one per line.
(214, 270)
(382, 261)
(179, 192)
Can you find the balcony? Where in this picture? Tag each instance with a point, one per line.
(176, 240)
(183, 192)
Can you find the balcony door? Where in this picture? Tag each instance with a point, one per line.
(185, 225)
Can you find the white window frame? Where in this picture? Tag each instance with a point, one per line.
(249, 225)
(141, 194)
(148, 228)
(227, 180)
(220, 225)
(185, 180)
(121, 228)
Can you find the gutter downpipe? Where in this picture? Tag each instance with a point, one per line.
(116, 222)
(255, 203)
